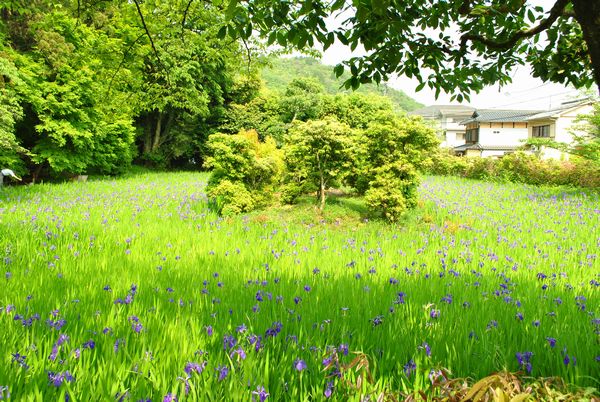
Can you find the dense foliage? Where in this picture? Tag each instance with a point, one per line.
(331, 141)
(519, 168)
(85, 89)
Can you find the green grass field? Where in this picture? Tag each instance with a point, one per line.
(132, 289)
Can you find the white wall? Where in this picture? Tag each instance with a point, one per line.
(566, 122)
(561, 129)
(453, 139)
(502, 136)
(550, 153)
(455, 133)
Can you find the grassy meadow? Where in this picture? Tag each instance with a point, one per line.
(132, 289)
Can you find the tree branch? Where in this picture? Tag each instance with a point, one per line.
(187, 8)
(139, 10)
(248, 53)
(555, 12)
(121, 64)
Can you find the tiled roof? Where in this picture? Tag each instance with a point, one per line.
(559, 110)
(464, 147)
(434, 111)
(500, 116)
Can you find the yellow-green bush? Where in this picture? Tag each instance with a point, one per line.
(245, 171)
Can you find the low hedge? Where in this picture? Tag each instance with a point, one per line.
(519, 168)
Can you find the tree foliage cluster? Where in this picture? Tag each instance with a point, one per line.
(91, 86)
(327, 141)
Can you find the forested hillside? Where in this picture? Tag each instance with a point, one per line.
(282, 71)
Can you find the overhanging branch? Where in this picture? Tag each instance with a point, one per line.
(555, 12)
(139, 10)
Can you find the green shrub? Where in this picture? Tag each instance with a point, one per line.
(229, 198)
(245, 171)
(443, 163)
(394, 149)
(519, 167)
(393, 191)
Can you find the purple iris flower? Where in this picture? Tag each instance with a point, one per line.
(410, 367)
(170, 398)
(191, 367)
(328, 390)
(57, 379)
(524, 360)
(378, 320)
(425, 346)
(118, 343)
(222, 372)
(260, 393)
(239, 352)
(300, 365)
(228, 342)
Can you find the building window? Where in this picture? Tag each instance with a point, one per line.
(541, 131)
(472, 135)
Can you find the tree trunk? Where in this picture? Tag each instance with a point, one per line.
(167, 129)
(587, 14)
(157, 132)
(148, 134)
(37, 172)
(322, 191)
(321, 194)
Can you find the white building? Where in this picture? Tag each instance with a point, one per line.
(447, 120)
(558, 124)
(494, 133)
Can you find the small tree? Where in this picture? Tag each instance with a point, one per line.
(317, 154)
(587, 145)
(244, 170)
(303, 100)
(394, 149)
